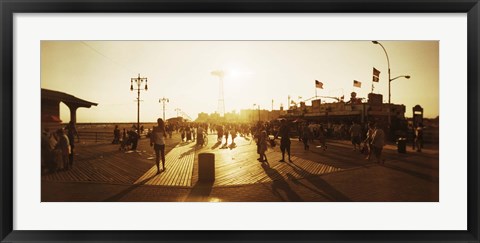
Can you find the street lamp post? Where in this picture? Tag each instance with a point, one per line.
(258, 112)
(389, 80)
(139, 82)
(258, 106)
(163, 100)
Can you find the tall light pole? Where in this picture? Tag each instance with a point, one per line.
(388, 61)
(221, 101)
(258, 112)
(389, 80)
(258, 106)
(139, 82)
(163, 100)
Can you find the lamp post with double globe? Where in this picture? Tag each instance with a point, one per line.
(138, 81)
(164, 100)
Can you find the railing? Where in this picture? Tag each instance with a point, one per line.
(95, 136)
(100, 136)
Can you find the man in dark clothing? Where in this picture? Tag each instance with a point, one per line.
(133, 137)
(284, 133)
(116, 135)
(419, 137)
(71, 133)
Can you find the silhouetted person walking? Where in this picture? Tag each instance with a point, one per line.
(368, 140)
(262, 146)
(322, 137)
(355, 135)
(157, 140)
(116, 135)
(419, 137)
(63, 148)
(305, 136)
(378, 141)
(133, 138)
(71, 133)
(284, 133)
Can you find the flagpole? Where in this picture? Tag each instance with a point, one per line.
(315, 91)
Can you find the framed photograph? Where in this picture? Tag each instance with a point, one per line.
(224, 121)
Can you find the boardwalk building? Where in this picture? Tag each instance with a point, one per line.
(353, 110)
(50, 110)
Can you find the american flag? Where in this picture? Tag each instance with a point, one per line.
(357, 84)
(376, 75)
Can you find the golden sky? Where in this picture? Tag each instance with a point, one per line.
(255, 72)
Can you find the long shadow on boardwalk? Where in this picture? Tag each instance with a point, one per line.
(280, 184)
(298, 182)
(425, 162)
(330, 191)
(183, 143)
(422, 176)
(216, 145)
(336, 158)
(200, 192)
(118, 196)
(188, 152)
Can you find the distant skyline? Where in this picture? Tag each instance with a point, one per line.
(255, 72)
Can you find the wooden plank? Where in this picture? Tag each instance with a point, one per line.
(179, 164)
(237, 166)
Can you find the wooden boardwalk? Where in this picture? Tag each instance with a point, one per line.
(179, 167)
(104, 163)
(233, 165)
(239, 165)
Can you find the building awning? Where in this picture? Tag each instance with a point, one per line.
(65, 98)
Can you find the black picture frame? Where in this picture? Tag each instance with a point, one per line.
(9, 7)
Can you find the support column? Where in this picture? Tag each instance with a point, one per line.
(73, 113)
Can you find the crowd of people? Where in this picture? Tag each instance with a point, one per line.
(57, 148)
(368, 139)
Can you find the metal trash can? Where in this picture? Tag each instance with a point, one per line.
(402, 145)
(206, 167)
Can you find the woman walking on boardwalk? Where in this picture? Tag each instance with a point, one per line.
(157, 140)
(262, 146)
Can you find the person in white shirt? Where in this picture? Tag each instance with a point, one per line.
(378, 141)
(157, 140)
